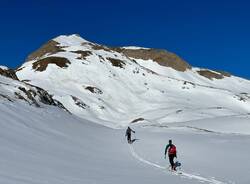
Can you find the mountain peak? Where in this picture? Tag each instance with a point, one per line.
(104, 83)
(76, 44)
(70, 40)
(56, 45)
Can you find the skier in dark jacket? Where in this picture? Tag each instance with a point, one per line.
(128, 134)
(171, 149)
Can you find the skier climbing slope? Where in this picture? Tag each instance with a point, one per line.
(172, 153)
(128, 135)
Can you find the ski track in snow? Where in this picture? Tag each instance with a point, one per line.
(183, 174)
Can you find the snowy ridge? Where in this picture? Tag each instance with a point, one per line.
(104, 85)
(134, 47)
(15, 91)
(4, 67)
(70, 40)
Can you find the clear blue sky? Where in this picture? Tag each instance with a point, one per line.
(208, 33)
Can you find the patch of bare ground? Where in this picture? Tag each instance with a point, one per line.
(101, 59)
(25, 80)
(79, 102)
(100, 47)
(42, 64)
(30, 94)
(242, 97)
(210, 75)
(137, 120)
(162, 57)
(37, 96)
(116, 62)
(226, 74)
(94, 89)
(83, 54)
(9, 73)
(51, 47)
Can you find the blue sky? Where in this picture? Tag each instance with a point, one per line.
(209, 33)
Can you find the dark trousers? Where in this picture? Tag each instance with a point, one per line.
(129, 138)
(171, 160)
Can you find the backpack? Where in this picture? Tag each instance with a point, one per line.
(172, 150)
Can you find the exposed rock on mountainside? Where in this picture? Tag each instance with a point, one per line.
(35, 96)
(111, 85)
(100, 47)
(12, 89)
(8, 73)
(50, 47)
(94, 89)
(117, 62)
(210, 75)
(42, 64)
(79, 102)
(226, 74)
(83, 54)
(162, 57)
(137, 120)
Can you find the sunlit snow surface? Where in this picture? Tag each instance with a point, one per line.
(4, 67)
(140, 89)
(208, 121)
(50, 146)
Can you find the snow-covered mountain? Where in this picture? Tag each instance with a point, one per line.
(115, 86)
(54, 106)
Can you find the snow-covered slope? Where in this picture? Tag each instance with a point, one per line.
(47, 145)
(14, 91)
(205, 113)
(115, 86)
